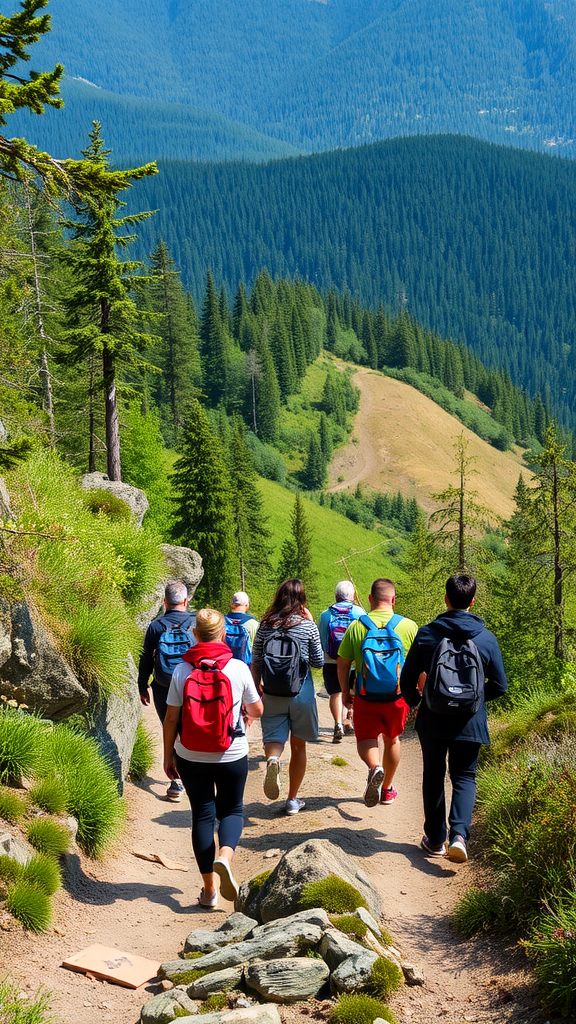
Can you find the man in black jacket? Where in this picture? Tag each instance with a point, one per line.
(456, 737)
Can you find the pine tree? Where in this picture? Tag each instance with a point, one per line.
(315, 469)
(267, 394)
(462, 517)
(423, 582)
(102, 315)
(296, 553)
(215, 353)
(325, 435)
(202, 499)
(251, 532)
(283, 360)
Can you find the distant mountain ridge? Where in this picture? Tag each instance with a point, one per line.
(320, 75)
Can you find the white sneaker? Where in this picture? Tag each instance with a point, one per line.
(294, 806)
(372, 791)
(228, 885)
(272, 779)
(457, 852)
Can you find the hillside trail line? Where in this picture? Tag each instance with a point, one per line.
(144, 908)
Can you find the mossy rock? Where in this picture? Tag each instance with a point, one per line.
(350, 925)
(360, 1009)
(386, 977)
(256, 883)
(333, 894)
(178, 972)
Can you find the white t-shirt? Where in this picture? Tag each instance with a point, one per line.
(243, 692)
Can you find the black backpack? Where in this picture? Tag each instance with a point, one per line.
(455, 683)
(283, 669)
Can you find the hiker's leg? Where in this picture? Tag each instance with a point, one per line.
(336, 707)
(330, 676)
(297, 768)
(462, 762)
(159, 695)
(273, 750)
(198, 781)
(368, 752)
(391, 760)
(230, 783)
(434, 765)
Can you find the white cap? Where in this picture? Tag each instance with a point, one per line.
(240, 597)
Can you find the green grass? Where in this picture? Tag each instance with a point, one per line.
(20, 744)
(215, 1002)
(17, 1008)
(334, 537)
(359, 1009)
(143, 753)
(10, 869)
(97, 643)
(339, 762)
(385, 978)
(333, 894)
(257, 882)
(43, 872)
(102, 502)
(48, 836)
(478, 910)
(350, 925)
(29, 905)
(553, 948)
(12, 806)
(50, 795)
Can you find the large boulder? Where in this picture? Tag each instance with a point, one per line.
(132, 496)
(218, 981)
(234, 929)
(182, 564)
(114, 724)
(168, 1006)
(354, 973)
(287, 981)
(316, 859)
(16, 847)
(32, 670)
(247, 1015)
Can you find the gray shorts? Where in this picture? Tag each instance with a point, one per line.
(297, 715)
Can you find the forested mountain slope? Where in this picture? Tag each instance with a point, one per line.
(320, 75)
(476, 241)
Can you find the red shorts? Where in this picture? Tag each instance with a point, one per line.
(373, 719)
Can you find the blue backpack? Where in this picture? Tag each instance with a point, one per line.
(238, 640)
(382, 660)
(171, 648)
(340, 619)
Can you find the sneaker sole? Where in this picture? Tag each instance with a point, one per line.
(228, 887)
(272, 781)
(457, 855)
(431, 851)
(337, 739)
(371, 793)
(175, 799)
(297, 811)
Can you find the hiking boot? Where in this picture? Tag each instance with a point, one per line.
(338, 733)
(374, 781)
(434, 851)
(388, 796)
(208, 901)
(457, 850)
(228, 886)
(272, 779)
(174, 791)
(294, 806)
(348, 727)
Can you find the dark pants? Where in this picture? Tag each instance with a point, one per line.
(215, 790)
(159, 695)
(462, 760)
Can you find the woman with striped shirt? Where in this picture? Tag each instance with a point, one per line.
(294, 717)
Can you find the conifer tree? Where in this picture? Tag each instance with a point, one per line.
(215, 353)
(267, 394)
(296, 553)
(422, 565)
(102, 315)
(203, 506)
(283, 359)
(251, 532)
(325, 436)
(461, 517)
(315, 468)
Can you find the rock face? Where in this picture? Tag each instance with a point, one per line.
(32, 670)
(115, 723)
(235, 928)
(287, 981)
(182, 564)
(6, 514)
(249, 1015)
(218, 981)
(132, 496)
(336, 947)
(289, 940)
(16, 847)
(312, 861)
(354, 972)
(167, 1006)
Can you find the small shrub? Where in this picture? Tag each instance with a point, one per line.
(386, 937)
(350, 925)
(477, 911)
(257, 882)
(103, 502)
(20, 743)
(29, 905)
(50, 795)
(20, 1009)
(10, 589)
(48, 836)
(12, 806)
(339, 762)
(215, 1002)
(553, 947)
(332, 893)
(385, 978)
(44, 873)
(193, 955)
(143, 753)
(10, 869)
(97, 643)
(359, 1009)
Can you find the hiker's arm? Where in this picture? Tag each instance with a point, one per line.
(254, 710)
(315, 652)
(410, 676)
(496, 680)
(146, 664)
(170, 728)
(343, 666)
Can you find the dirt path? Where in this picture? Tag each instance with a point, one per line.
(145, 908)
(403, 440)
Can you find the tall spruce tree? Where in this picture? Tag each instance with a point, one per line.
(461, 517)
(296, 553)
(267, 394)
(251, 532)
(202, 499)
(314, 471)
(215, 347)
(423, 569)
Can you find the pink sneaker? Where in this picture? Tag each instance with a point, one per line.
(388, 796)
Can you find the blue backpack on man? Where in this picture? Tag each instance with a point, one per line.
(382, 661)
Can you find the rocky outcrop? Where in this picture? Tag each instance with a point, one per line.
(287, 982)
(182, 564)
(353, 974)
(16, 847)
(32, 670)
(132, 496)
(114, 725)
(235, 928)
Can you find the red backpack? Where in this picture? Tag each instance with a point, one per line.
(208, 710)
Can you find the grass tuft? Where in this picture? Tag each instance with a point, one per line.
(333, 894)
(10, 869)
(350, 925)
(339, 762)
(48, 836)
(97, 643)
(20, 743)
(553, 947)
(29, 905)
(12, 806)
(103, 502)
(385, 978)
(215, 1002)
(477, 911)
(19, 1009)
(50, 794)
(143, 753)
(359, 1009)
(44, 873)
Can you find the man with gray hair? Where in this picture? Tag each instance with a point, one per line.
(333, 624)
(166, 641)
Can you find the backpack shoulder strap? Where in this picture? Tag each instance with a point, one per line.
(394, 621)
(367, 623)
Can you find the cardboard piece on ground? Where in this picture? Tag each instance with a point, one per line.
(160, 858)
(114, 965)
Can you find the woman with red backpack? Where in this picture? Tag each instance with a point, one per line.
(211, 698)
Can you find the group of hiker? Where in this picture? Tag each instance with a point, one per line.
(214, 674)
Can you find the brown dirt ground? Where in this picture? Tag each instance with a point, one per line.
(142, 907)
(405, 441)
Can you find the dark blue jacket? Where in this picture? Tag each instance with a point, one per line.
(459, 626)
(173, 617)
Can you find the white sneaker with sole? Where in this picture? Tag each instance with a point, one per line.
(294, 806)
(208, 901)
(174, 791)
(457, 852)
(372, 791)
(228, 886)
(272, 779)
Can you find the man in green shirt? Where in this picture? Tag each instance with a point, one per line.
(375, 716)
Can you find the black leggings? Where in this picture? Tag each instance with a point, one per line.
(215, 790)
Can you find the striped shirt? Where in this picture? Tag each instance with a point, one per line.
(303, 631)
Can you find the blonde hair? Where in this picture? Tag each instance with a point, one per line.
(209, 624)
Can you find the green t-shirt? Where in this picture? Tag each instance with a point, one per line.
(351, 645)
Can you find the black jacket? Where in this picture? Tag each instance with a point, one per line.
(460, 626)
(153, 634)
